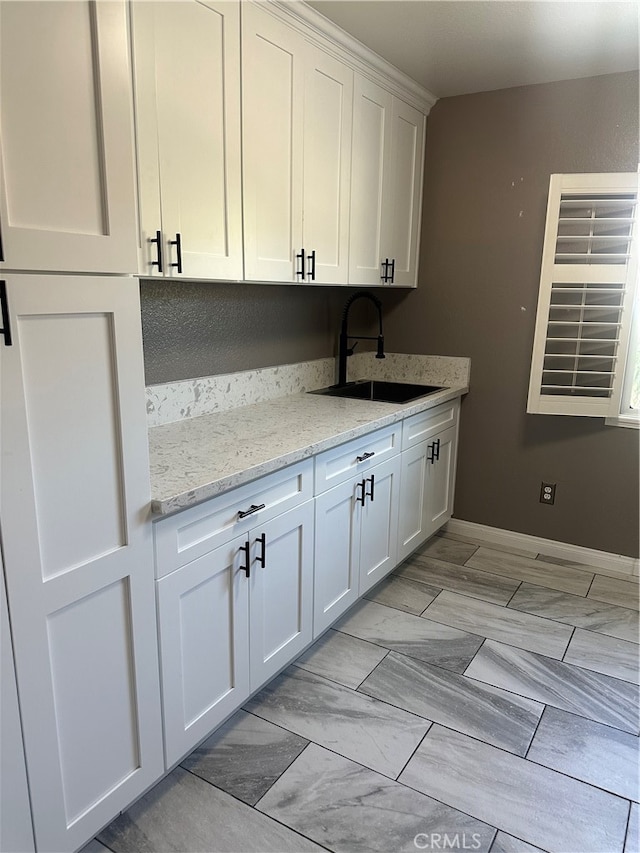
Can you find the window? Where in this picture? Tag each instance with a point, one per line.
(585, 304)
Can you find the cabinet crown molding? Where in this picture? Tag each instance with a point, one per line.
(333, 39)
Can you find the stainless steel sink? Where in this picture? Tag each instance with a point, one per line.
(380, 392)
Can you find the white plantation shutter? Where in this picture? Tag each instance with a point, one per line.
(587, 282)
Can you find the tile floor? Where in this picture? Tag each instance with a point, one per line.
(478, 699)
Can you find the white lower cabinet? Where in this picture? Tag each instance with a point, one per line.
(428, 476)
(356, 523)
(234, 616)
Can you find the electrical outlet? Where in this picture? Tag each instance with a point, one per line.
(547, 493)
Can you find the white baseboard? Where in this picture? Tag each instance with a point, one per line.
(616, 564)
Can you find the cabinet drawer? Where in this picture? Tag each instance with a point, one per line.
(422, 426)
(191, 533)
(340, 463)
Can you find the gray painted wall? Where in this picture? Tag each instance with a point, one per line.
(489, 157)
(488, 161)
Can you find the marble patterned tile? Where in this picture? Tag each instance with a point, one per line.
(486, 543)
(350, 809)
(601, 570)
(608, 655)
(541, 806)
(504, 843)
(616, 591)
(351, 724)
(597, 754)
(437, 573)
(245, 756)
(564, 578)
(449, 550)
(569, 688)
(493, 715)
(411, 635)
(184, 813)
(500, 623)
(341, 658)
(402, 594)
(632, 841)
(94, 847)
(577, 610)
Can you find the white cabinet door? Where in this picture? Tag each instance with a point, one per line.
(403, 206)
(273, 62)
(337, 553)
(281, 597)
(16, 830)
(328, 112)
(413, 512)
(379, 536)
(369, 182)
(439, 504)
(187, 74)
(74, 495)
(203, 610)
(67, 180)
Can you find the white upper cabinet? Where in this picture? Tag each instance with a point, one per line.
(272, 111)
(386, 191)
(187, 85)
(67, 178)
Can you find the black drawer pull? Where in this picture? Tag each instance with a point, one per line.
(262, 559)
(158, 241)
(437, 448)
(247, 566)
(312, 266)
(371, 479)
(301, 257)
(365, 456)
(253, 508)
(178, 244)
(4, 307)
(360, 498)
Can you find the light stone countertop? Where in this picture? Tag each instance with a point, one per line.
(196, 458)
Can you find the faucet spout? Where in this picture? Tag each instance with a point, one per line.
(344, 351)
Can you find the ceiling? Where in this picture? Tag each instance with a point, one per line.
(454, 47)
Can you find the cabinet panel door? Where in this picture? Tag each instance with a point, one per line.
(328, 111)
(369, 179)
(203, 611)
(281, 592)
(78, 554)
(442, 481)
(379, 536)
(198, 105)
(272, 113)
(412, 516)
(402, 207)
(67, 186)
(337, 551)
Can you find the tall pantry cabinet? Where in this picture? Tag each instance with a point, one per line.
(74, 472)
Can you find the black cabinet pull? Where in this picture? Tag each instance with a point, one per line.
(312, 266)
(247, 560)
(158, 241)
(253, 508)
(178, 244)
(360, 498)
(433, 451)
(262, 559)
(372, 480)
(393, 271)
(301, 258)
(4, 307)
(437, 449)
(364, 456)
(385, 270)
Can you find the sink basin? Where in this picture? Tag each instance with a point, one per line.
(380, 392)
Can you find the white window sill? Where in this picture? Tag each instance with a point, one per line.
(632, 421)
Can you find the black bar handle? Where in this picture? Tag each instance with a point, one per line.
(431, 452)
(158, 241)
(178, 244)
(253, 508)
(262, 559)
(360, 498)
(393, 270)
(384, 275)
(312, 266)
(437, 448)
(4, 305)
(247, 560)
(364, 456)
(301, 257)
(372, 478)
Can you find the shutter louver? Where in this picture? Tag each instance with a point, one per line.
(584, 305)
